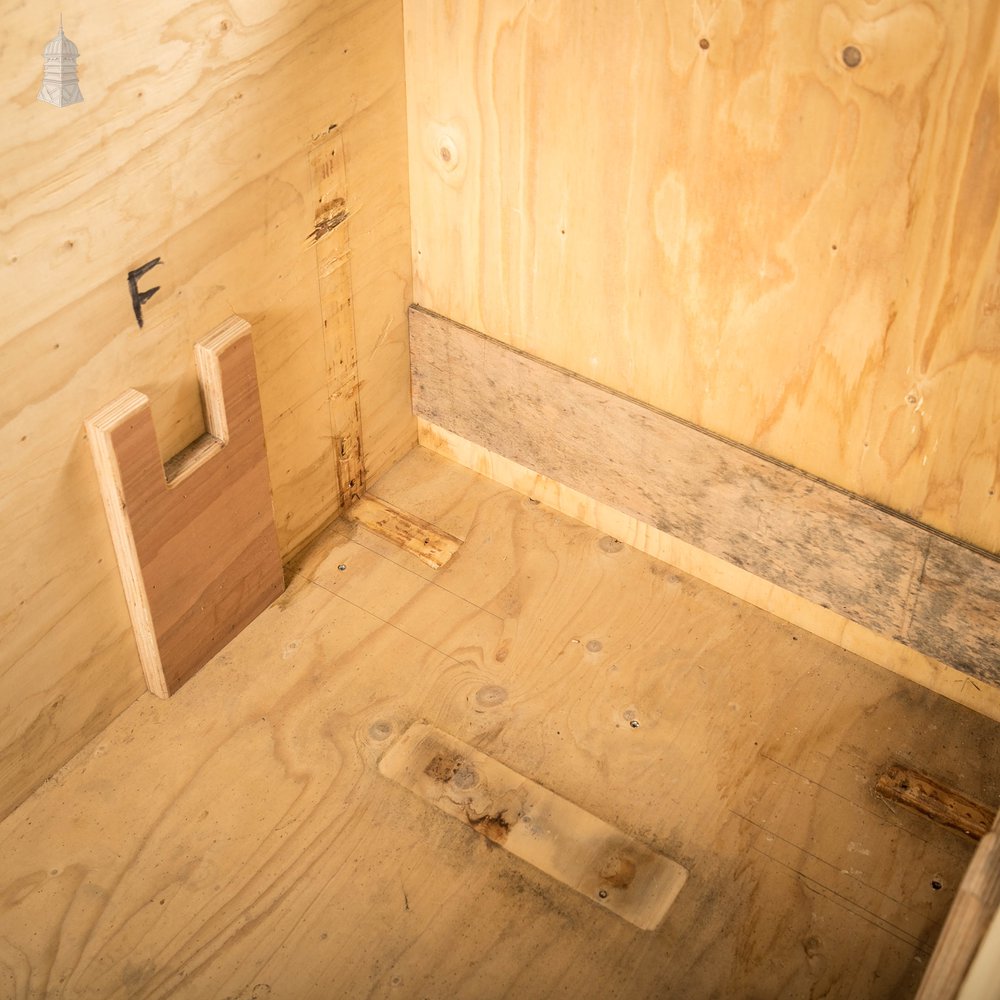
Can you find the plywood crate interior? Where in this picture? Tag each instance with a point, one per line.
(629, 376)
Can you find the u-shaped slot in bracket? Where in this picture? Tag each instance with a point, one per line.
(195, 539)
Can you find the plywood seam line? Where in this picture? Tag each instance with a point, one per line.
(331, 239)
(351, 468)
(913, 585)
(823, 544)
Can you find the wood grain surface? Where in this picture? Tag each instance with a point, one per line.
(238, 841)
(891, 575)
(196, 544)
(197, 143)
(776, 220)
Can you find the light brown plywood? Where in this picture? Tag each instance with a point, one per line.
(196, 143)
(774, 219)
(891, 575)
(154, 866)
(195, 541)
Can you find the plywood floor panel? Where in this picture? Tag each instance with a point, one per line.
(238, 841)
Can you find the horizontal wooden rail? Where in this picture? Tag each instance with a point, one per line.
(891, 574)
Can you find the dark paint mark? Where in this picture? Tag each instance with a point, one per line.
(140, 298)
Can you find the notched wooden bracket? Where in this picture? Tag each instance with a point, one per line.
(195, 540)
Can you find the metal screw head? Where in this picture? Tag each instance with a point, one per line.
(342, 567)
(603, 893)
(634, 723)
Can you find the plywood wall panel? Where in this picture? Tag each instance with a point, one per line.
(192, 144)
(703, 206)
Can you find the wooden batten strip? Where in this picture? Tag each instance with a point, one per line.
(872, 566)
(937, 802)
(429, 544)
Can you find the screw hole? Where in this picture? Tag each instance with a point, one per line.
(936, 885)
